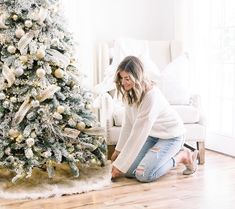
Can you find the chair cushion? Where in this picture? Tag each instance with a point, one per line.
(194, 133)
(188, 113)
(113, 135)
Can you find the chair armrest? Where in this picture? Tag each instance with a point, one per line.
(195, 100)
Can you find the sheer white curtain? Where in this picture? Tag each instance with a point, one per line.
(78, 16)
(208, 27)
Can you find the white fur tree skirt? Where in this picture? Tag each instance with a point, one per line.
(40, 186)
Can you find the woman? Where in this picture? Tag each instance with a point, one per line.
(152, 133)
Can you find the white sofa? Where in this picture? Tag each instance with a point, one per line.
(161, 53)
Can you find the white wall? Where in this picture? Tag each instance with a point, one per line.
(92, 21)
(140, 19)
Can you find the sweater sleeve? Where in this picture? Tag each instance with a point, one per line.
(146, 116)
(125, 131)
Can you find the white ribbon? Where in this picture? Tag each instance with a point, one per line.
(2, 22)
(25, 40)
(60, 59)
(24, 108)
(8, 74)
(48, 93)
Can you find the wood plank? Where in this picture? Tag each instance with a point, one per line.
(212, 186)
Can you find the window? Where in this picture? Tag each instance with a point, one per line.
(210, 32)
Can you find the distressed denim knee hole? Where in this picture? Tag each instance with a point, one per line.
(139, 171)
(155, 149)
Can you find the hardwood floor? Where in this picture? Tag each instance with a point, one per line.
(211, 187)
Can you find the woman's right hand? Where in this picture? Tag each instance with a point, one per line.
(114, 155)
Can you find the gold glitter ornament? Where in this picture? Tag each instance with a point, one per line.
(59, 73)
(60, 109)
(15, 17)
(81, 126)
(13, 133)
(88, 106)
(23, 58)
(19, 138)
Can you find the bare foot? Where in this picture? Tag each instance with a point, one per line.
(184, 156)
(189, 159)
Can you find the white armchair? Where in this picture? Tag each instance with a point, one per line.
(161, 53)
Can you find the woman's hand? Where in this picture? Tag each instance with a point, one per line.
(114, 155)
(116, 173)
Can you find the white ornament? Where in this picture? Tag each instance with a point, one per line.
(30, 142)
(28, 23)
(2, 96)
(19, 71)
(5, 104)
(19, 32)
(8, 151)
(23, 58)
(13, 99)
(11, 49)
(40, 72)
(60, 109)
(59, 73)
(35, 103)
(29, 153)
(15, 17)
(40, 53)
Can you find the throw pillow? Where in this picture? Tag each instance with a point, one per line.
(174, 81)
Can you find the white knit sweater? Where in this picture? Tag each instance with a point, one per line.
(154, 117)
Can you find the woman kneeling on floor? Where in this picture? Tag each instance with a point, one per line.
(152, 134)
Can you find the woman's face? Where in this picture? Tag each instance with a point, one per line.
(126, 81)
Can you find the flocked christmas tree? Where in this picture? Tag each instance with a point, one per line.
(45, 114)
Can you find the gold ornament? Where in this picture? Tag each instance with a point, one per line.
(19, 138)
(81, 126)
(93, 161)
(13, 133)
(59, 73)
(88, 106)
(24, 58)
(15, 17)
(60, 109)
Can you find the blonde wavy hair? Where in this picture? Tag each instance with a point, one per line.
(134, 67)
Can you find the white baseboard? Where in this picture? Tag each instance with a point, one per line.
(220, 143)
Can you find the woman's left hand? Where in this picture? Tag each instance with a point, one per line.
(116, 173)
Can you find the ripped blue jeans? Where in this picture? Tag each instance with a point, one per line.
(155, 158)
